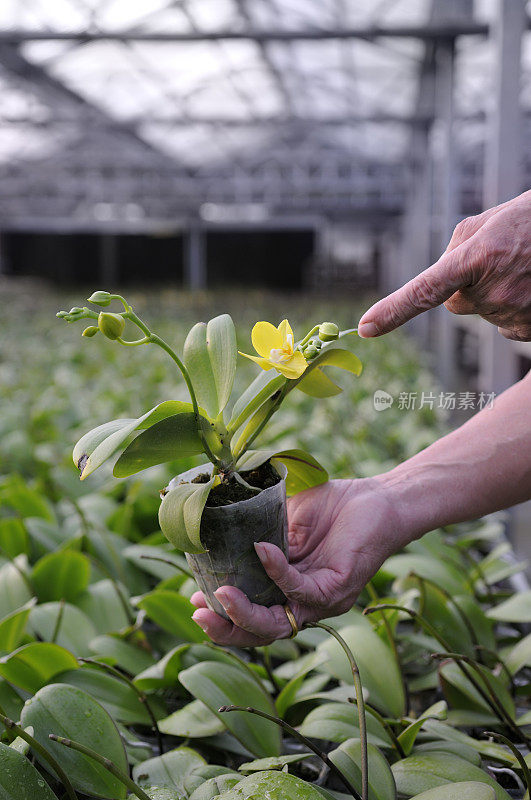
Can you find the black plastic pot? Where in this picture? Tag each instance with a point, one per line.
(229, 533)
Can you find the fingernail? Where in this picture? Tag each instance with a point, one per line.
(200, 624)
(220, 595)
(367, 329)
(261, 552)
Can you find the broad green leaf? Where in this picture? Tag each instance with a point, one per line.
(289, 692)
(61, 576)
(337, 357)
(418, 773)
(164, 673)
(194, 720)
(273, 762)
(72, 713)
(525, 719)
(103, 602)
(13, 627)
(467, 790)
(169, 770)
(171, 438)
(347, 757)
(435, 569)
(516, 609)
(158, 793)
(115, 650)
(66, 624)
(200, 775)
(95, 447)
(304, 471)
(455, 748)
(173, 613)
(180, 514)
(116, 697)
(272, 785)
(461, 693)
(379, 671)
(159, 570)
(13, 537)
(337, 722)
(316, 384)
(520, 655)
(261, 389)
(408, 736)
(33, 665)
(214, 787)
(217, 685)
(210, 356)
(19, 780)
(10, 701)
(14, 590)
(27, 502)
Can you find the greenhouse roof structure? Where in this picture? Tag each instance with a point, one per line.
(122, 110)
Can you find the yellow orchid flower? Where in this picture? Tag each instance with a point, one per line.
(275, 349)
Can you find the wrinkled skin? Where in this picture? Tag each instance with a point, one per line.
(485, 270)
(335, 546)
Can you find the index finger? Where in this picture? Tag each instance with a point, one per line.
(426, 290)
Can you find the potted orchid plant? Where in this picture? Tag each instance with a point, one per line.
(216, 512)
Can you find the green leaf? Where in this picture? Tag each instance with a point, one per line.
(61, 576)
(121, 653)
(434, 569)
(10, 701)
(304, 471)
(180, 514)
(317, 384)
(460, 692)
(33, 665)
(214, 787)
(516, 609)
(520, 655)
(99, 444)
(173, 437)
(217, 685)
(210, 356)
(13, 537)
(71, 628)
(13, 626)
(173, 613)
(19, 780)
(337, 357)
(102, 604)
(116, 697)
(408, 736)
(337, 722)
(424, 771)
(27, 502)
(464, 790)
(72, 713)
(197, 778)
(14, 591)
(347, 757)
(455, 748)
(273, 762)
(194, 720)
(164, 673)
(169, 770)
(272, 785)
(379, 671)
(261, 389)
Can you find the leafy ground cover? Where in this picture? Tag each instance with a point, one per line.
(96, 642)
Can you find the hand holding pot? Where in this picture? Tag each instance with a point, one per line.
(338, 538)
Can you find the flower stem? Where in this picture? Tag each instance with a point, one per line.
(518, 754)
(303, 739)
(43, 752)
(105, 762)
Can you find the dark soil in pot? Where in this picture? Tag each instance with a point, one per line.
(233, 520)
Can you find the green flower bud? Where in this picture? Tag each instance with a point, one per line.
(90, 331)
(328, 331)
(310, 352)
(76, 310)
(315, 342)
(62, 314)
(111, 325)
(100, 298)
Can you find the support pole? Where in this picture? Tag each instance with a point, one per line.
(195, 268)
(503, 170)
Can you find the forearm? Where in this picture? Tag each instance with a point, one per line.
(483, 466)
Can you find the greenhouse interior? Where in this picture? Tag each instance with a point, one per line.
(209, 588)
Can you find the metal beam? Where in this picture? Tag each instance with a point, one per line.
(424, 33)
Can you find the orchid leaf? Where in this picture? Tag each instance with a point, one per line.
(261, 389)
(210, 355)
(180, 514)
(316, 384)
(408, 736)
(19, 780)
(304, 471)
(33, 665)
(419, 773)
(173, 437)
(347, 757)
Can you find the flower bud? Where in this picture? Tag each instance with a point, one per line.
(328, 331)
(76, 310)
(100, 298)
(111, 325)
(62, 314)
(90, 331)
(310, 352)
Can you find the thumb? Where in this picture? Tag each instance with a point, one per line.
(295, 585)
(427, 290)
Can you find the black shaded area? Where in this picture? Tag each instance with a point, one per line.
(148, 259)
(259, 258)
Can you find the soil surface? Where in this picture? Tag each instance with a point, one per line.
(230, 491)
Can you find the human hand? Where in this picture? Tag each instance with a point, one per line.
(485, 270)
(340, 533)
